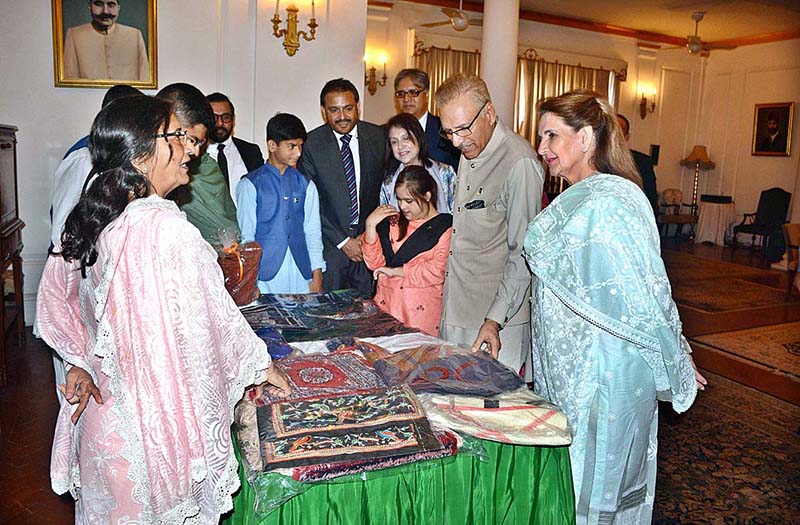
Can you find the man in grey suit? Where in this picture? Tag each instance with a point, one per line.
(344, 157)
(498, 191)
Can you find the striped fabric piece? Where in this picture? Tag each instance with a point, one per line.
(350, 174)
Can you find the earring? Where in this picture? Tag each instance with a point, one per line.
(584, 148)
(145, 170)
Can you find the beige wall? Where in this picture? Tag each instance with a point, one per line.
(217, 45)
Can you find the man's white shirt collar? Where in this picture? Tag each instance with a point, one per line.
(423, 120)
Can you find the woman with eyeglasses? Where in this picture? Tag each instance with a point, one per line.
(408, 146)
(157, 352)
(407, 247)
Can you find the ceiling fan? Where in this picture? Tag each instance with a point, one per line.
(458, 19)
(695, 44)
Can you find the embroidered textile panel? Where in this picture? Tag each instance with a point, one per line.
(385, 422)
(320, 375)
(448, 370)
(325, 471)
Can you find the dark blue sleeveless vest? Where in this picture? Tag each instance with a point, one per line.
(280, 201)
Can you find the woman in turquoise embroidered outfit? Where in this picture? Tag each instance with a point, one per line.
(607, 338)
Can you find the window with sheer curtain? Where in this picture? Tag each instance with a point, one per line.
(441, 63)
(536, 79)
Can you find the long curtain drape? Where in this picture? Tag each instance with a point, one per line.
(538, 79)
(441, 63)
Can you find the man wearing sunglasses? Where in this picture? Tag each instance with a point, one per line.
(498, 191)
(206, 200)
(411, 87)
(236, 157)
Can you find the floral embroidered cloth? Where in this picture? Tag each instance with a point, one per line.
(449, 370)
(320, 375)
(325, 471)
(381, 423)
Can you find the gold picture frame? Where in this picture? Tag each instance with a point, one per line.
(772, 129)
(132, 53)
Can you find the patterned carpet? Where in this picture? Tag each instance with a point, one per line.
(683, 267)
(775, 346)
(731, 459)
(725, 294)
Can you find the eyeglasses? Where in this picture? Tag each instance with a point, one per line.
(464, 131)
(413, 93)
(227, 118)
(184, 136)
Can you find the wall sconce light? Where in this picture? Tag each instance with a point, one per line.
(371, 75)
(644, 107)
(291, 36)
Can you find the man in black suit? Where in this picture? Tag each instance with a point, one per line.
(644, 164)
(236, 157)
(411, 88)
(344, 157)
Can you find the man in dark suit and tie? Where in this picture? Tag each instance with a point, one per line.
(236, 157)
(411, 88)
(644, 164)
(344, 157)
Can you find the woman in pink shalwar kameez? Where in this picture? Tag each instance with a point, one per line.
(408, 254)
(136, 306)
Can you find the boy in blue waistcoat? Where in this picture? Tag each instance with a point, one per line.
(279, 208)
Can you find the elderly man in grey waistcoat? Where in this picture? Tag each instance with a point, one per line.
(498, 191)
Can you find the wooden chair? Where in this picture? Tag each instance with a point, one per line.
(669, 212)
(773, 205)
(791, 234)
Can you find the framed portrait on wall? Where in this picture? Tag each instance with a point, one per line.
(100, 43)
(772, 129)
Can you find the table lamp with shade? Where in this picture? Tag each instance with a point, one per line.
(699, 159)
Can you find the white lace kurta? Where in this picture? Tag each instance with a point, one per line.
(606, 341)
(171, 355)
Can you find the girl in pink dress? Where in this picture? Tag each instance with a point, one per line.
(157, 353)
(408, 252)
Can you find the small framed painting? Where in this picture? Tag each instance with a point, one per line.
(100, 43)
(772, 129)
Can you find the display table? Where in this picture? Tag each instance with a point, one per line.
(518, 484)
(714, 221)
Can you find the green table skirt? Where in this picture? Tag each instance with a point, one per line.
(519, 484)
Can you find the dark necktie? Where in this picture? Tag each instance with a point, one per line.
(223, 163)
(350, 175)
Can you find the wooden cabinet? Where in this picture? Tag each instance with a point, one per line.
(12, 313)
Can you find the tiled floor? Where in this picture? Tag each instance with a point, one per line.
(28, 407)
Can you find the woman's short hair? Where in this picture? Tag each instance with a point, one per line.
(124, 132)
(418, 182)
(411, 125)
(581, 108)
(461, 84)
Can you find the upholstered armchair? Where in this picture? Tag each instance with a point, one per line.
(672, 210)
(773, 205)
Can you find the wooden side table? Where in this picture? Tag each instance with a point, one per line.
(13, 311)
